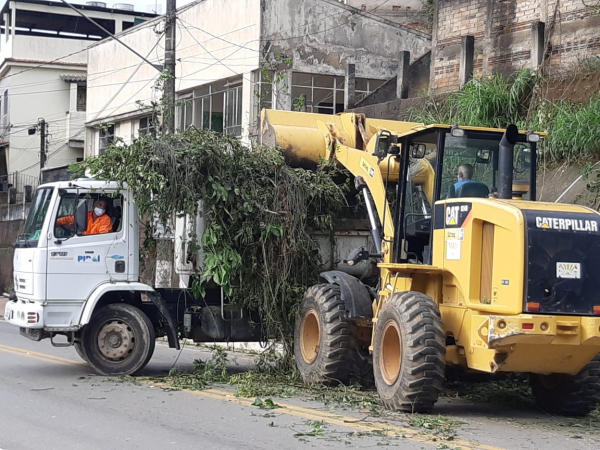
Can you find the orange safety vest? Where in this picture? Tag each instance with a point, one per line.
(101, 225)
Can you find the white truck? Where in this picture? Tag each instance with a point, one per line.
(85, 290)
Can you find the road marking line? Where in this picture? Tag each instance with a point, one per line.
(37, 355)
(292, 410)
(348, 422)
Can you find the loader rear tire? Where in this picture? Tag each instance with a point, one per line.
(322, 337)
(568, 395)
(409, 352)
(119, 340)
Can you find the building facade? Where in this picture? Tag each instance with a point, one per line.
(43, 78)
(511, 35)
(235, 58)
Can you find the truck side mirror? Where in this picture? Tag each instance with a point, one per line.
(81, 216)
(382, 146)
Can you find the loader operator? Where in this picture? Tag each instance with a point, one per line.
(98, 221)
(465, 175)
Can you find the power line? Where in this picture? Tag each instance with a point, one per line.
(89, 19)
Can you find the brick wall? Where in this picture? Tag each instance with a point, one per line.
(503, 36)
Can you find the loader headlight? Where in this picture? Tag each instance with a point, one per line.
(533, 137)
(457, 132)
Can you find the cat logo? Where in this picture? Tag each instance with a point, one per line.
(367, 168)
(452, 215)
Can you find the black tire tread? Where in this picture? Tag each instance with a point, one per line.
(576, 395)
(332, 365)
(423, 353)
(132, 367)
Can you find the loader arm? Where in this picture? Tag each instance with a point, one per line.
(307, 138)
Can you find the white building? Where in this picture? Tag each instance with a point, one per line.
(235, 57)
(43, 59)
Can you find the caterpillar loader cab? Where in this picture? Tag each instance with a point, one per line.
(473, 273)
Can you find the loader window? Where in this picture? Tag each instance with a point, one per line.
(465, 173)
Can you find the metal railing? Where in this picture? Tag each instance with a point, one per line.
(18, 181)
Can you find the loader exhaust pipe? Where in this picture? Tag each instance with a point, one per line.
(506, 161)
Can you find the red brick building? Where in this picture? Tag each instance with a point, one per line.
(507, 36)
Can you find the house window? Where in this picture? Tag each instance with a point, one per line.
(216, 106)
(233, 110)
(107, 137)
(146, 126)
(81, 97)
(324, 94)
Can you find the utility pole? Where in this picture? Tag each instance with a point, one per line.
(42, 125)
(165, 248)
(169, 86)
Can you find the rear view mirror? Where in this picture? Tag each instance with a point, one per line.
(484, 156)
(382, 146)
(81, 216)
(417, 151)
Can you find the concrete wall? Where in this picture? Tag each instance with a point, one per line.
(31, 95)
(322, 36)
(418, 81)
(406, 12)
(503, 36)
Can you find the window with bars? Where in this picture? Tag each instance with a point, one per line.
(216, 106)
(324, 94)
(146, 126)
(107, 137)
(81, 97)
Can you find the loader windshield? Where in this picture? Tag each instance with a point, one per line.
(470, 167)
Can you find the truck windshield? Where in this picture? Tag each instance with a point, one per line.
(35, 218)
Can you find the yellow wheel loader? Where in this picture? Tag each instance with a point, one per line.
(473, 272)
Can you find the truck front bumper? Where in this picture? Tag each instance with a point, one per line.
(25, 315)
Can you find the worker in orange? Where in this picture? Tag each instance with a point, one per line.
(98, 221)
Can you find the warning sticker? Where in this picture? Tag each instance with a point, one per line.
(453, 248)
(455, 234)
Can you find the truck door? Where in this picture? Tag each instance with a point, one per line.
(78, 262)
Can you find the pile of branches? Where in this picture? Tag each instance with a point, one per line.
(260, 213)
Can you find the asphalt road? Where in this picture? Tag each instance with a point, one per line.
(50, 400)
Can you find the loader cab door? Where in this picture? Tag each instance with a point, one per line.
(451, 166)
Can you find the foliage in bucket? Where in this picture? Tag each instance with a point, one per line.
(259, 213)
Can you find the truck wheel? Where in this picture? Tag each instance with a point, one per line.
(409, 352)
(80, 351)
(119, 340)
(568, 395)
(322, 337)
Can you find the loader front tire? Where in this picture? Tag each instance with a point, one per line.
(409, 352)
(568, 395)
(119, 340)
(322, 337)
